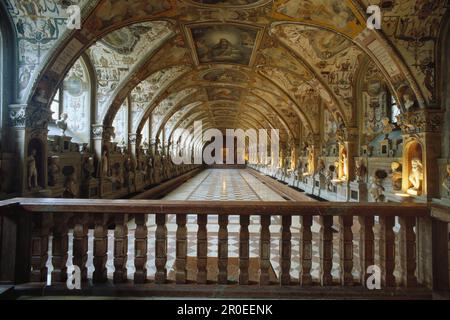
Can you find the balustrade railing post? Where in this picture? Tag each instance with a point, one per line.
(39, 247)
(366, 246)
(100, 248)
(244, 250)
(140, 248)
(223, 249)
(202, 249)
(120, 248)
(285, 251)
(346, 250)
(387, 251)
(181, 250)
(408, 252)
(60, 247)
(326, 250)
(432, 243)
(305, 251)
(161, 249)
(80, 243)
(264, 249)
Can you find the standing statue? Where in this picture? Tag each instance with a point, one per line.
(62, 123)
(88, 168)
(446, 183)
(105, 164)
(70, 186)
(32, 170)
(416, 176)
(360, 170)
(53, 171)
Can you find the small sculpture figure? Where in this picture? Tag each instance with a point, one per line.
(62, 123)
(53, 171)
(377, 189)
(105, 164)
(397, 176)
(70, 186)
(88, 168)
(446, 183)
(32, 170)
(360, 170)
(416, 176)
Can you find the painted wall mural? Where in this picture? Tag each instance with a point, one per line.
(413, 26)
(333, 58)
(338, 14)
(114, 59)
(145, 92)
(39, 25)
(224, 43)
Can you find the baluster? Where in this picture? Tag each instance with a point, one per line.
(244, 250)
(326, 250)
(223, 249)
(366, 247)
(285, 251)
(100, 248)
(120, 248)
(306, 251)
(140, 248)
(161, 249)
(39, 247)
(408, 251)
(346, 249)
(387, 250)
(60, 248)
(80, 244)
(202, 249)
(264, 250)
(181, 255)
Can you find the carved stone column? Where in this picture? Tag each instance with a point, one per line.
(28, 128)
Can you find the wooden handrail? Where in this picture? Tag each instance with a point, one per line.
(46, 205)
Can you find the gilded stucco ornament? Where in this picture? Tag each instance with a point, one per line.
(420, 121)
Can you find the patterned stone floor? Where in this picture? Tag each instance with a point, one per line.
(226, 185)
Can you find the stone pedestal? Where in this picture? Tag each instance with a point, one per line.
(343, 191)
(358, 192)
(308, 184)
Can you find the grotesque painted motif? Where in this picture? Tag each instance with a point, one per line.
(225, 75)
(113, 60)
(224, 43)
(336, 13)
(215, 93)
(39, 25)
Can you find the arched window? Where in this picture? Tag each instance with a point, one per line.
(146, 132)
(76, 101)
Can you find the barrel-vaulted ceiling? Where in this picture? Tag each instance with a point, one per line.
(231, 63)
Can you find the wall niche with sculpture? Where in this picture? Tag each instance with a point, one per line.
(413, 169)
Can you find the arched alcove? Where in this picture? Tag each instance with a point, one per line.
(413, 168)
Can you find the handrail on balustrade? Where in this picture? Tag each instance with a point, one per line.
(93, 206)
